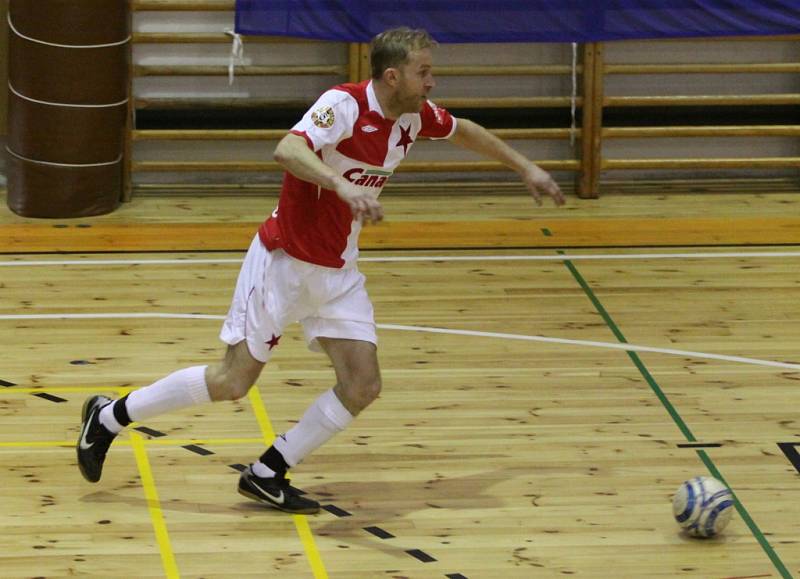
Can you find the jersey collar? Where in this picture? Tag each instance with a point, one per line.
(372, 100)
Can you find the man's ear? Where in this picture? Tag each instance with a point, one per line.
(391, 76)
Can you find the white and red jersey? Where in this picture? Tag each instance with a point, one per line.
(347, 130)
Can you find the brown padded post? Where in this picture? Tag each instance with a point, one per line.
(68, 90)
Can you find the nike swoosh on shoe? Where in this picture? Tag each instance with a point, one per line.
(85, 444)
(278, 499)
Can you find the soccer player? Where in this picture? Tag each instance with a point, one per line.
(301, 266)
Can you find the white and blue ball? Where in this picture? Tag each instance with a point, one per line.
(703, 506)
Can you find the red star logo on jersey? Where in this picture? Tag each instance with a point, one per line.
(405, 139)
(274, 341)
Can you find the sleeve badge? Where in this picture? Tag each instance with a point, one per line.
(323, 117)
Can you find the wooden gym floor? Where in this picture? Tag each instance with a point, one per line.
(539, 409)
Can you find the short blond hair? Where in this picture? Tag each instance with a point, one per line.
(392, 48)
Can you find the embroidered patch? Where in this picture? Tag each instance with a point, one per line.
(323, 117)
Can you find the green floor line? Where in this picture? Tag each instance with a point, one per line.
(679, 422)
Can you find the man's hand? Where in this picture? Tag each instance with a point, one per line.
(538, 182)
(364, 206)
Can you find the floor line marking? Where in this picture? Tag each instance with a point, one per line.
(154, 507)
(300, 521)
(589, 343)
(178, 442)
(121, 390)
(421, 258)
(679, 422)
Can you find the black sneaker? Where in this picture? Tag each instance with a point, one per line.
(275, 492)
(94, 439)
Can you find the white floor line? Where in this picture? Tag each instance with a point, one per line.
(421, 258)
(565, 341)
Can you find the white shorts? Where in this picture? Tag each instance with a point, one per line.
(274, 290)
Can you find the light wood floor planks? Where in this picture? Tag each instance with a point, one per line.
(485, 456)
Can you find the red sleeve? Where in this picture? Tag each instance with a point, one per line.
(437, 123)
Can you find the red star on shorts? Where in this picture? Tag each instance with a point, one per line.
(273, 342)
(405, 139)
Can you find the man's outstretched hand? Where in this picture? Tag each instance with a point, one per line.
(540, 183)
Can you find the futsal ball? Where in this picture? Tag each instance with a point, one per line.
(703, 506)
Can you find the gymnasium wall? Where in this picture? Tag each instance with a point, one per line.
(307, 87)
(155, 88)
(3, 67)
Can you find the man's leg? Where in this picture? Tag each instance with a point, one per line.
(358, 384)
(104, 419)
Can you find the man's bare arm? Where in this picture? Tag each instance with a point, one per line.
(474, 137)
(294, 154)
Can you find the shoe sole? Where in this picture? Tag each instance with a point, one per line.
(84, 414)
(249, 495)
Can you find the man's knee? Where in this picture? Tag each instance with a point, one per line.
(228, 385)
(358, 393)
(232, 378)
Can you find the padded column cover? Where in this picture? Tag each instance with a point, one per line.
(68, 90)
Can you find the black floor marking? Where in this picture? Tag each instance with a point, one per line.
(50, 397)
(197, 449)
(334, 510)
(378, 532)
(700, 445)
(456, 576)
(149, 431)
(421, 555)
(81, 362)
(546, 232)
(6, 384)
(790, 450)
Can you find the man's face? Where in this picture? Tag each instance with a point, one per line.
(415, 81)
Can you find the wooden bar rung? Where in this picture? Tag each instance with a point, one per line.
(509, 70)
(183, 5)
(701, 100)
(246, 70)
(213, 38)
(273, 134)
(703, 131)
(209, 135)
(743, 163)
(505, 102)
(199, 103)
(700, 68)
(172, 102)
(411, 167)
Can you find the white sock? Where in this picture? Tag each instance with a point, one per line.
(108, 419)
(180, 389)
(262, 470)
(323, 419)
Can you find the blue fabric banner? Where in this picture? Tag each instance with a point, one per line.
(518, 20)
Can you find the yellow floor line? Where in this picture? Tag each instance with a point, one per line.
(300, 521)
(154, 506)
(123, 442)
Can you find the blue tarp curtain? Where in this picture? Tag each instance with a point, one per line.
(520, 20)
